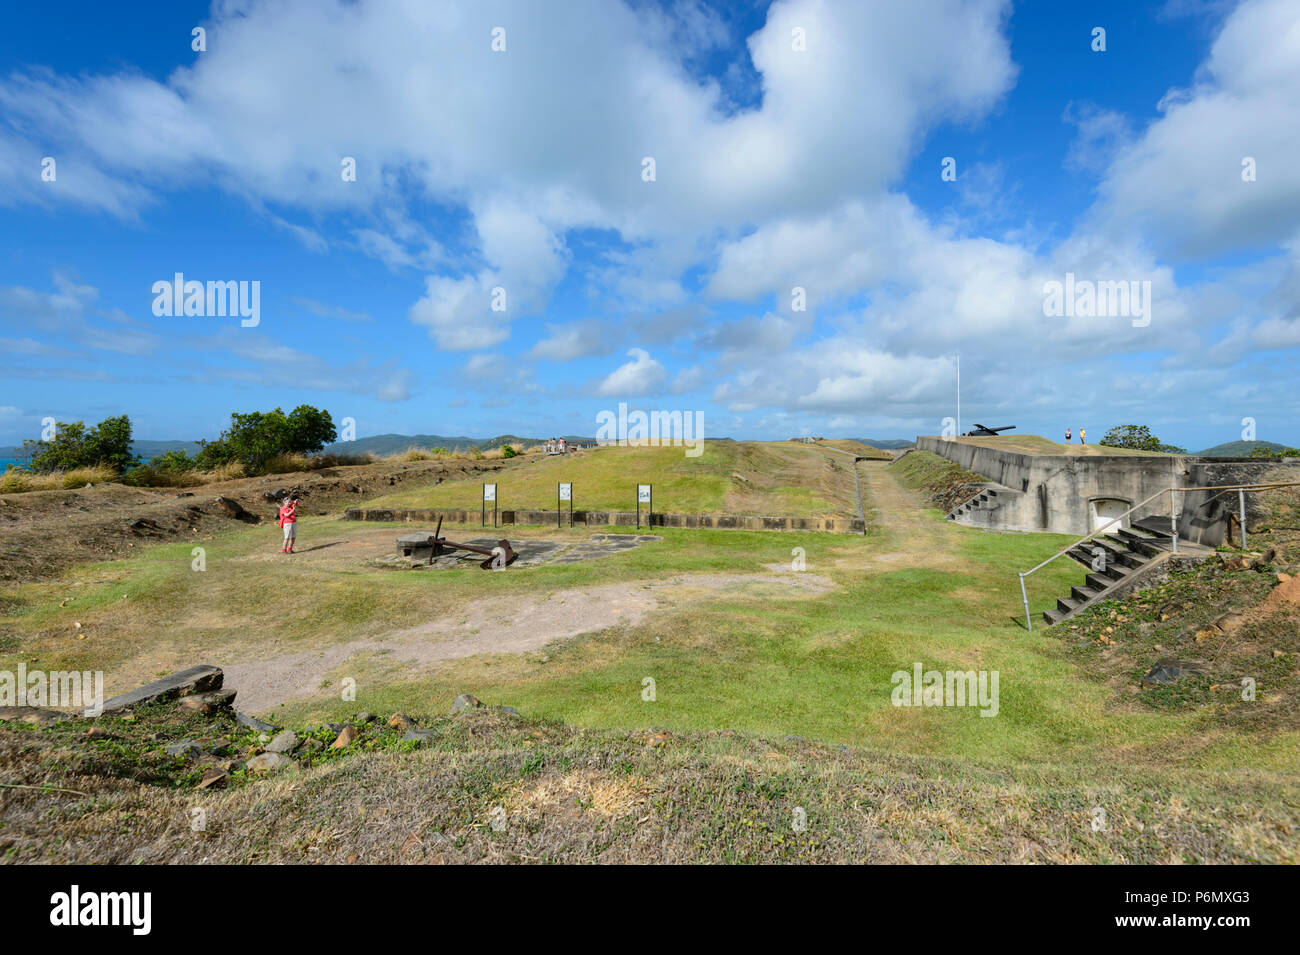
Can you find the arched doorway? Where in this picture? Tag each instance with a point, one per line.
(1103, 510)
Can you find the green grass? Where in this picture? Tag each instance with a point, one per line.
(779, 479)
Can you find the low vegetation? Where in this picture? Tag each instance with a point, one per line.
(487, 785)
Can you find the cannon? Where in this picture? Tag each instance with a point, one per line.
(425, 545)
(983, 431)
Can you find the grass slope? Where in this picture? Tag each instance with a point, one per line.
(493, 787)
(779, 479)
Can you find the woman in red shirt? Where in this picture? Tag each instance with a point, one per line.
(289, 521)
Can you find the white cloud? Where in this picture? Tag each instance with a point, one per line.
(640, 376)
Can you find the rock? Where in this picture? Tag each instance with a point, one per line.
(346, 738)
(1229, 621)
(213, 778)
(253, 723)
(197, 679)
(207, 703)
(400, 721)
(218, 744)
(186, 748)
(311, 745)
(98, 732)
(1283, 578)
(364, 717)
(657, 740)
(420, 736)
(284, 742)
(236, 510)
(465, 702)
(508, 710)
(1171, 671)
(268, 763)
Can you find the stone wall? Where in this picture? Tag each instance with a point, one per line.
(833, 525)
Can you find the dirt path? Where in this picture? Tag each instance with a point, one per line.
(912, 537)
(514, 624)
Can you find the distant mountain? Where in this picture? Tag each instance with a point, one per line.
(1239, 449)
(393, 443)
(892, 444)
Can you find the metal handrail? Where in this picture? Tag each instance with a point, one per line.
(1024, 595)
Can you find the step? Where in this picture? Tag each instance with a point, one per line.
(1084, 594)
(1053, 616)
(1159, 525)
(1067, 605)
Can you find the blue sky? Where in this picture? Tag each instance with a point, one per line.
(775, 168)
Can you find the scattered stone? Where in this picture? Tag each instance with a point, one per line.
(236, 510)
(346, 738)
(218, 744)
(312, 745)
(186, 748)
(465, 702)
(207, 703)
(508, 710)
(657, 740)
(253, 723)
(284, 742)
(364, 717)
(1171, 671)
(197, 679)
(420, 736)
(213, 778)
(400, 721)
(268, 763)
(98, 732)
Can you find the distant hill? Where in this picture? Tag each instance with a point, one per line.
(1240, 449)
(892, 444)
(392, 443)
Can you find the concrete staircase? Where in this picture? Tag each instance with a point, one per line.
(981, 510)
(1123, 553)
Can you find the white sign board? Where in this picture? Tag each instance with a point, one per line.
(489, 492)
(643, 493)
(566, 492)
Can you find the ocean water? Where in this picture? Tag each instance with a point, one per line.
(5, 462)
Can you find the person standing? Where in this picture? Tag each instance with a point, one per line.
(1068, 435)
(1083, 436)
(289, 521)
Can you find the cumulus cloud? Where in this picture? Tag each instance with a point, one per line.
(640, 376)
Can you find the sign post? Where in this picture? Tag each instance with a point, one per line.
(489, 494)
(643, 496)
(564, 493)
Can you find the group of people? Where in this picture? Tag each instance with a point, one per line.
(1083, 436)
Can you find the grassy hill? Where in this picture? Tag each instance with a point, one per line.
(730, 477)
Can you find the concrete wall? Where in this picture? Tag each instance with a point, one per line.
(1054, 493)
(834, 525)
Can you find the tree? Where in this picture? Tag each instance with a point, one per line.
(76, 446)
(1139, 438)
(255, 437)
